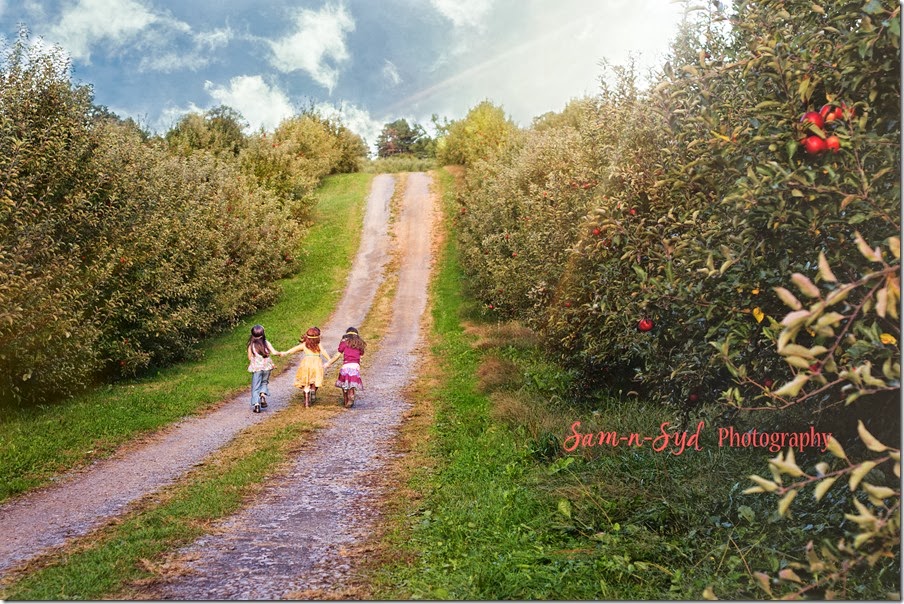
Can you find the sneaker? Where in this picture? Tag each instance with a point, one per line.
(263, 401)
(257, 409)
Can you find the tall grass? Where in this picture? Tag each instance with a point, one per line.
(37, 443)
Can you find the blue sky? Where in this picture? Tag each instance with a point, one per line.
(372, 61)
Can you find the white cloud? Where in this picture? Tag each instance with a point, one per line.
(88, 22)
(354, 118)
(464, 13)
(391, 73)
(165, 60)
(262, 105)
(214, 39)
(133, 25)
(35, 10)
(319, 38)
(173, 61)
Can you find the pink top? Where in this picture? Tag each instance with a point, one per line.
(349, 354)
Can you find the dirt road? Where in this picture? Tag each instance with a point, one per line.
(79, 502)
(293, 538)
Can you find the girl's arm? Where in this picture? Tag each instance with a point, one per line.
(250, 355)
(294, 349)
(330, 361)
(273, 350)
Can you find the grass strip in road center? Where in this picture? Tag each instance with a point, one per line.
(37, 443)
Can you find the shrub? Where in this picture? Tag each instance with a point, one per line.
(45, 135)
(218, 131)
(293, 160)
(484, 131)
(518, 217)
(116, 253)
(706, 200)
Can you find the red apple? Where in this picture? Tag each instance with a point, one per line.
(831, 113)
(833, 144)
(767, 383)
(811, 117)
(632, 212)
(693, 397)
(514, 254)
(814, 145)
(567, 304)
(596, 231)
(645, 325)
(490, 306)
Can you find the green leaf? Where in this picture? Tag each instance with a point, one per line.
(564, 508)
(746, 512)
(873, 7)
(791, 147)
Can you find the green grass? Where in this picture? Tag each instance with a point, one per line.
(502, 512)
(38, 443)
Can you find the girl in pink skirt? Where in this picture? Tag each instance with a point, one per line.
(351, 348)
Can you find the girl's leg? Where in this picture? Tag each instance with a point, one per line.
(307, 397)
(350, 402)
(265, 387)
(256, 382)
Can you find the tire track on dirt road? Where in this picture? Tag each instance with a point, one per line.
(81, 501)
(293, 538)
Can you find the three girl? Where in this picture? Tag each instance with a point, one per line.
(260, 364)
(309, 376)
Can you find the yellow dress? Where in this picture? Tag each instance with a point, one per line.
(310, 371)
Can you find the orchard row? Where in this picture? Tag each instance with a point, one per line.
(652, 235)
(120, 251)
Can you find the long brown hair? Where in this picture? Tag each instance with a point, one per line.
(311, 339)
(353, 340)
(258, 341)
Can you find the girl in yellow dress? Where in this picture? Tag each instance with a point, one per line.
(310, 372)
